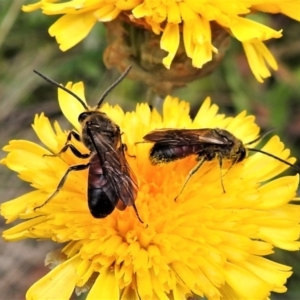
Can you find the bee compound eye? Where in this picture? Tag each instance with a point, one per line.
(241, 154)
(83, 116)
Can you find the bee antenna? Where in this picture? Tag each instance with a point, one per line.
(113, 86)
(275, 157)
(259, 138)
(61, 87)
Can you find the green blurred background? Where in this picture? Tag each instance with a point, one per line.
(25, 45)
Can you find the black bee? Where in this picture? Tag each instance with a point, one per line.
(207, 143)
(111, 183)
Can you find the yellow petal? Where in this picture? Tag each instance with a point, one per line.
(130, 294)
(69, 105)
(58, 283)
(72, 6)
(246, 30)
(141, 11)
(23, 230)
(24, 156)
(45, 133)
(105, 287)
(288, 8)
(246, 285)
(258, 57)
(69, 30)
(32, 7)
(170, 43)
(11, 210)
(173, 14)
(107, 13)
(127, 4)
(280, 190)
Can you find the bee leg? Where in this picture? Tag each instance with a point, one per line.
(67, 146)
(74, 150)
(221, 165)
(125, 148)
(191, 173)
(137, 213)
(63, 180)
(221, 176)
(73, 134)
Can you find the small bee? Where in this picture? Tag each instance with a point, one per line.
(207, 143)
(111, 182)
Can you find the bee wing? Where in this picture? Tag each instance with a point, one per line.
(116, 171)
(129, 185)
(177, 137)
(120, 177)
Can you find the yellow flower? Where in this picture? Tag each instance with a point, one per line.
(186, 20)
(207, 243)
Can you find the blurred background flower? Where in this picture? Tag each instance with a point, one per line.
(25, 44)
(187, 34)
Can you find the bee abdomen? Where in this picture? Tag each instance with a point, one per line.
(99, 203)
(164, 154)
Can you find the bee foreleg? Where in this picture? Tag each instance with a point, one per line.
(74, 150)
